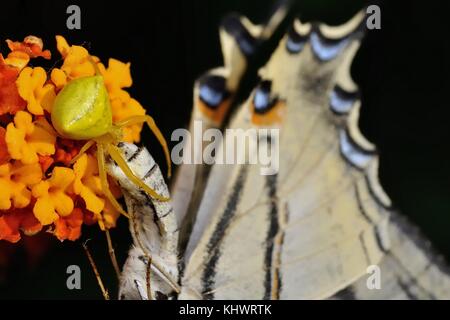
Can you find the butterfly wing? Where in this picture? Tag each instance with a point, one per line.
(214, 94)
(313, 227)
(410, 270)
(151, 269)
(310, 228)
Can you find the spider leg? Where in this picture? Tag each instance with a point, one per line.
(97, 274)
(147, 277)
(154, 128)
(117, 157)
(104, 180)
(83, 150)
(112, 254)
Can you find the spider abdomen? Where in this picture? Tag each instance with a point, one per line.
(82, 110)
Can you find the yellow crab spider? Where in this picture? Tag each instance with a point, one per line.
(82, 111)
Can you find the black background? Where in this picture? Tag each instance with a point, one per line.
(402, 69)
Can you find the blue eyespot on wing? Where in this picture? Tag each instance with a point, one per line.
(326, 49)
(212, 90)
(341, 101)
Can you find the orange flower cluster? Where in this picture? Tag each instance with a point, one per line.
(40, 189)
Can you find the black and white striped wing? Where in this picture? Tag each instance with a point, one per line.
(410, 270)
(214, 93)
(312, 228)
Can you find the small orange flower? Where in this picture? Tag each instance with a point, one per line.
(26, 139)
(31, 45)
(18, 219)
(89, 218)
(58, 78)
(117, 76)
(77, 61)
(66, 150)
(87, 183)
(69, 227)
(62, 46)
(52, 198)
(17, 59)
(16, 181)
(110, 216)
(4, 155)
(45, 162)
(33, 89)
(10, 100)
(9, 227)
(122, 109)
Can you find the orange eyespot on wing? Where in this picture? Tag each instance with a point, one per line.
(214, 100)
(266, 110)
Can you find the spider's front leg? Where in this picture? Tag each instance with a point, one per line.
(83, 150)
(154, 128)
(104, 179)
(114, 152)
